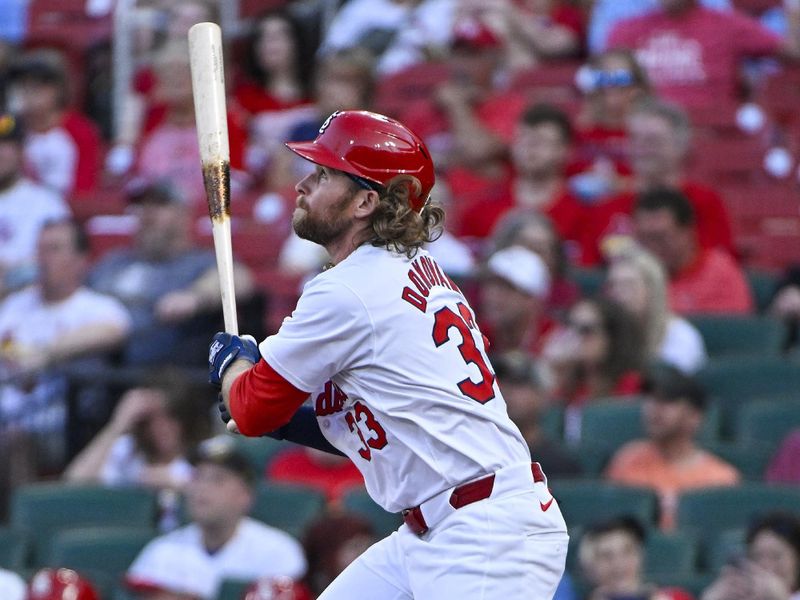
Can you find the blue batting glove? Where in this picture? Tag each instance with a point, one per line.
(224, 349)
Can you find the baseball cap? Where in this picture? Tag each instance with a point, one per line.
(522, 268)
(221, 450)
(10, 128)
(474, 35)
(666, 383)
(153, 191)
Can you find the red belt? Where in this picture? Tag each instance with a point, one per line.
(480, 489)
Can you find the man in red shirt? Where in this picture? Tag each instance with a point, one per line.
(692, 53)
(539, 155)
(659, 135)
(61, 146)
(701, 280)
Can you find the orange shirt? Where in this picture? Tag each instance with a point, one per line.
(713, 283)
(640, 463)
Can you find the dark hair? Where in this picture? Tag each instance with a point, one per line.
(625, 523)
(303, 55)
(80, 239)
(669, 383)
(786, 526)
(547, 114)
(516, 367)
(663, 198)
(42, 66)
(184, 402)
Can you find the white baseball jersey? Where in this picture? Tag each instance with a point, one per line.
(400, 379)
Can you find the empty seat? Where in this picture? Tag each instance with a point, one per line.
(42, 510)
(674, 553)
(13, 548)
(768, 421)
(584, 502)
(359, 502)
(738, 335)
(287, 507)
(110, 550)
(749, 458)
(762, 285)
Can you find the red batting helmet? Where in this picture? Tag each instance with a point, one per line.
(373, 147)
(60, 584)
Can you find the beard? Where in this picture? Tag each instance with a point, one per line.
(321, 229)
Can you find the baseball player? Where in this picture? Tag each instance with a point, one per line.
(386, 348)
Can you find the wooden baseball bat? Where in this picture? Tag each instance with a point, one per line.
(208, 89)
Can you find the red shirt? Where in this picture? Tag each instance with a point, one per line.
(255, 99)
(693, 58)
(297, 465)
(615, 217)
(713, 283)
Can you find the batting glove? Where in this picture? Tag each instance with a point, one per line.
(224, 349)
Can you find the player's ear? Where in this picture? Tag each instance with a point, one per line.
(366, 203)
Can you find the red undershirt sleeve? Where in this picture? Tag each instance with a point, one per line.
(261, 400)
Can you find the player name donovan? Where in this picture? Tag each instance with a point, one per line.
(425, 274)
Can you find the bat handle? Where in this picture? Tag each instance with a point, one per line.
(221, 231)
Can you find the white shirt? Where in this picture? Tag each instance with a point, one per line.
(124, 465)
(179, 562)
(12, 586)
(408, 402)
(24, 208)
(52, 155)
(683, 346)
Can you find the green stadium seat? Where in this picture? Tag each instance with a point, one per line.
(733, 381)
(14, 547)
(358, 501)
(287, 507)
(708, 512)
(768, 421)
(750, 458)
(674, 553)
(44, 509)
(588, 280)
(737, 335)
(762, 286)
(729, 544)
(259, 451)
(585, 501)
(552, 422)
(232, 589)
(107, 549)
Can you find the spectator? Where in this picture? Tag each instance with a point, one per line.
(659, 135)
(400, 33)
(332, 474)
(61, 145)
(170, 149)
(220, 541)
(637, 280)
(170, 287)
(331, 543)
(147, 440)
(598, 353)
(692, 54)
(669, 459)
(12, 586)
(613, 83)
(513, 289)
(611, 556)
(607, 13)
(539, 156)
(24, 208)
(534, 31)
(61, 584)
(526, 402)
(771, 568)
(275, 96)
(701, 280)
(45, 326)
(784, 466)
(536, 232)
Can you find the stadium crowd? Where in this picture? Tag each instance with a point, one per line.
(622, 184)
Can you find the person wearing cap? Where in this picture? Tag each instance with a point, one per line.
(221, 541)
(169, 285)
(513, 291)
(24, 207)
(53, 323)
(669, 459)
(383, 360)
(62, 146)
